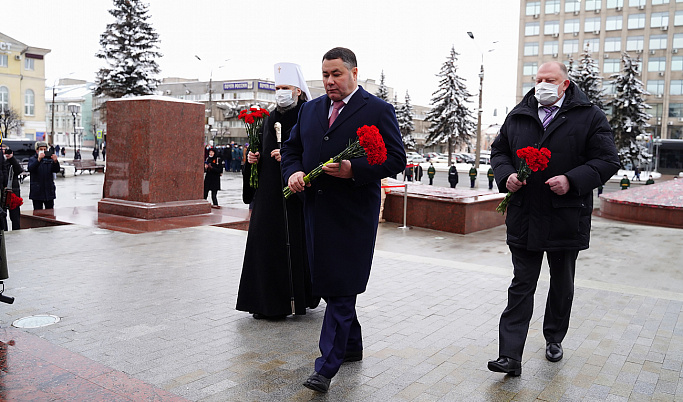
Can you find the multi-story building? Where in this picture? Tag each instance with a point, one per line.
(66, 128)
(22, 83)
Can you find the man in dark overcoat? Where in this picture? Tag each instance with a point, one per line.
(549, 212)
(341, 207)
(42, 165)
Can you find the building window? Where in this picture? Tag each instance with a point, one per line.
(530, 68)
(592, 45)
(533, 8)
(656, 110)
(29, 64)
(527, 86)
(593, 5)
(572, 26)
(614, 23)
(531, 49)
(4, 98)
(570, 46)
(636, 21)
(637, 3)
(608, 87)
(655, 87)
(676, 87)
(658, 20)
(634, 43)
(532, 28)
(656, 64)
(571, 6)
(611, 66)
(677, 63)
(3, 60)
(678, 41)
(29, 103)
(551, 27)
(551, 47)
(675, 109)
(591, 24)
(657, 42)
(678, 18)
(658, 2)
(552, 6)
(615, 3)
(612, 44)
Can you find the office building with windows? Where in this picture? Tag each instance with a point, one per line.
(22, 84)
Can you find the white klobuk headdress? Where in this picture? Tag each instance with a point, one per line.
(290, 74)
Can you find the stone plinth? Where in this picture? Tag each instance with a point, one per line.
(154, 158)
(659, 204)
(445, 209)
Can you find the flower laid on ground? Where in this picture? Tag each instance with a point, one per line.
(533, 160)
(253, 119)
(369, 143)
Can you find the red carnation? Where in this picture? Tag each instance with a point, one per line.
(533, 160)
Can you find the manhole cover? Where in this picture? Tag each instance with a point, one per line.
(36, 321)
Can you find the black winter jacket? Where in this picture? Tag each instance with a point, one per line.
(582, 148)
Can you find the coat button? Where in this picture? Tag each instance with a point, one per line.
(320, 192)
(326, 138)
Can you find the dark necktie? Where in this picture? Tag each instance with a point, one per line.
(336, 105)
(549, 110)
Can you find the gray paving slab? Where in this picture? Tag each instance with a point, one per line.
(160, 307)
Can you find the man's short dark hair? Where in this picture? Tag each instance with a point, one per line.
(346, 56)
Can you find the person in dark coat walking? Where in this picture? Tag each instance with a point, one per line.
(227, 156)
(418, 172)
(549, 212)
(95, 152)
(42, 165)
(341, 207)
(266, 288)
(213, 167)
(10, 161)
(453, 176)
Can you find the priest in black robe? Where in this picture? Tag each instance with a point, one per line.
(272, 276)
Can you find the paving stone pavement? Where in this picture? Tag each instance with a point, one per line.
(160, 307)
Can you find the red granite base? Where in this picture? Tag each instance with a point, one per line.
(449, 210)
(658, 204)
(149, 210)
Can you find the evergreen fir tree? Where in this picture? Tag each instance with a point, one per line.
(629, 118)
(451, 120)
(404, 115)
(129, 47)
(587, 77)
(382, 91)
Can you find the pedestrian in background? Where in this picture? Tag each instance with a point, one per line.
(473, 176)
(431, 172)
(213, 168)
(95, 152)
(77, 154)
(636, 173)
(227, 156)
(625, 183)
(549, 212)
(453, 175)
(490, 176)
(418, 172)
(650, 180)
(10, 161)
(42, 166)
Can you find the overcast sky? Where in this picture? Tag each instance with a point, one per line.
(408, 39)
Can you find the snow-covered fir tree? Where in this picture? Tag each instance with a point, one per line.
(382, 91)
(129, 47)
(451, 121)
(404, 115)
(588, 78)
(629, 118)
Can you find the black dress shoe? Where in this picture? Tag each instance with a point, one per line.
(317, 382)
(353, 356)
(506, 365)
(553, 351)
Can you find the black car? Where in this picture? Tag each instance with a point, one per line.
(23, 149)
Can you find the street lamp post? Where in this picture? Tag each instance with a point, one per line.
(480, 110)
(210, 119)
(74, 108)
(657, 142)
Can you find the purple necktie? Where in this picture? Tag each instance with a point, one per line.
(549, 110)
(336, 105)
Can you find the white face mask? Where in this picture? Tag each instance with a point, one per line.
(546, 93)
(284, 97)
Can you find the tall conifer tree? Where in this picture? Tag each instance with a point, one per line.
(588, 78)
(404, 115)
(382, 91)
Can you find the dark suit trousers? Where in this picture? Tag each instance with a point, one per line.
(340, 332)
(514, 322)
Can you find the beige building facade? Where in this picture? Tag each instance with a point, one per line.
(648, 30)
(22, 86)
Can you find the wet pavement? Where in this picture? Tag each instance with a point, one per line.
(150, 316)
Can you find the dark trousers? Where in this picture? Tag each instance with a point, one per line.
(40, 204)
(431, 181)
(491, 185)
(340, 332)
(514, 322)
(471, 183)
(214, 198)
(15, 217)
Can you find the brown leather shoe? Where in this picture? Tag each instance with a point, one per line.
(506, 365)
(318, 382)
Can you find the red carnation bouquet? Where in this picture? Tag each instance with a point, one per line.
(369, 143)
(253, 120)
(533, 160)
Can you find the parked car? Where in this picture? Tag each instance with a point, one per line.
(23, 149)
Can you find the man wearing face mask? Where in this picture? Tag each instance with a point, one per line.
(550, 211)
(266, 288)
(42, 165)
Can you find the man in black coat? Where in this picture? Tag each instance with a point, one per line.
(42, 165)
(549, 212)
(11, 161)
(341, 207)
